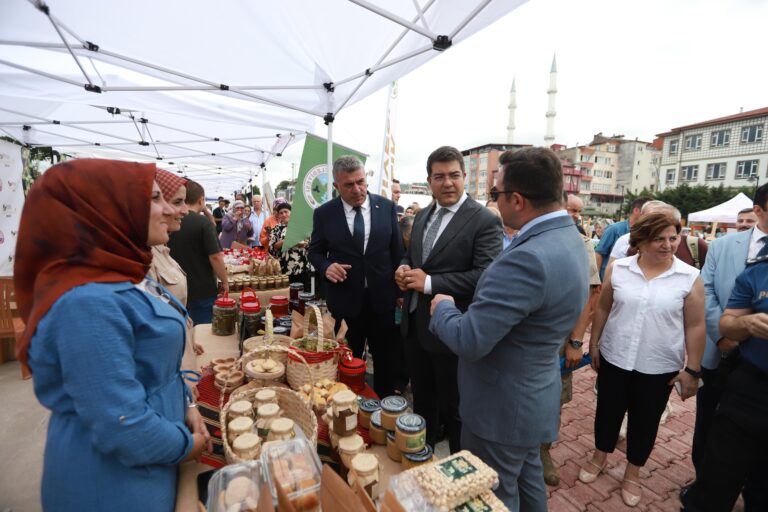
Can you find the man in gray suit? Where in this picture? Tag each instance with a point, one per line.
(452, 242)
(508, 341)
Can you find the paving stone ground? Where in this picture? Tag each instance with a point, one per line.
(668, 469)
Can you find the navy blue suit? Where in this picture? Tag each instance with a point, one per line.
(369, 311)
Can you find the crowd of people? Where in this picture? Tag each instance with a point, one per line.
(473, 306)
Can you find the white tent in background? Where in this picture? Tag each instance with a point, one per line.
(723, 213)
(272, 68)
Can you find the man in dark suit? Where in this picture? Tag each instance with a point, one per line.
(525, 305)
(452, 242)
(356, 246)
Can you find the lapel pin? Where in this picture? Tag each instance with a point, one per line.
(377, 206)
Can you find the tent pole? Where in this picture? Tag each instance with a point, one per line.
(330, 160)
(394, 18)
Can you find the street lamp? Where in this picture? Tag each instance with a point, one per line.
(756, 178)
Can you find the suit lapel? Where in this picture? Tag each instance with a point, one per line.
(341, 219)
(460, 218)
(742, 252)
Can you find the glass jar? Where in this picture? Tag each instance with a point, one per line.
(281, 429)
(377, 433)
(365, 471)
(391, 408)
(352, 373)
(266, 414)
(284, 280)
(294, 289)
(238, 427)
(367, 407)
(410, 433)
(282, 331)
(349, 447)
(344, 413)
(411, 460)
(279, 306)
(246, 446)
(252, 315)
(392, 451)
(264, 397)
(270, 282)
(241, 408)
(262, 283)
(224, 316)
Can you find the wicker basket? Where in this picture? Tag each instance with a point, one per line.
(268, 340)
(291, 404)
(323, 364)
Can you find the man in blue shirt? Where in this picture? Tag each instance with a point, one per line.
(614, 231)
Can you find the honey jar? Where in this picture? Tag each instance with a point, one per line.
(391, 408)
(349, 447)
(281, 429)
(367, 407)
(410, 433)
(241, 408)
(247, 446)
(377, 433)
(343, 412)
(392, 450)
(238, 427)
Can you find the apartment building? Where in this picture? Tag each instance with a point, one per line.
(731, 150)
(482, 164)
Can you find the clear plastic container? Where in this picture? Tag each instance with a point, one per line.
(236, 487)
(295, 467)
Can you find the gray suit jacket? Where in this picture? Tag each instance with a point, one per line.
(466, 247)
(726, 259)
(526, 303)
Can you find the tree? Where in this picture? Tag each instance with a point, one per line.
(689, 199)
(283, 185)
(255, 190)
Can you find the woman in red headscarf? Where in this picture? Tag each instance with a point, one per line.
(103, 342)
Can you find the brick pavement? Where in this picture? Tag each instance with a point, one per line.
(667, 470)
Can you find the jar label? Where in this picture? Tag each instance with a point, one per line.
(474, 505)
(456, 468)
(416, 441)
(263, 432)
(351, 422)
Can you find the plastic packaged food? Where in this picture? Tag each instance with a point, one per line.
(235, 487)
(454, 480)
(294, 466)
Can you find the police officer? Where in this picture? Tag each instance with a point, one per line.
(737, 445)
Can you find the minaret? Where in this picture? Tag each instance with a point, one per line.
(512, 107)
(549, 138)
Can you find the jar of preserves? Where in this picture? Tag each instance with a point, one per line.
(410, 433)
(367, 407)
(252, 315)
(247, 446)
(411, 460)
(266, 414)
(391, 408)
(241, 408)
(279, 306)
(264, 397)
(392, 451)
(377, 433)
(365, 471)
(349, 447)
(343, 412)
(284, 280)
(294, 289)
(352, 372)
(224, 316)
(281, 429)
(238, 427)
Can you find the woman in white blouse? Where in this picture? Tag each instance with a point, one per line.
(649, 319)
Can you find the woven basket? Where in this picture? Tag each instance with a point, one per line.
(268, 340)
(290, 403)
(323, 364)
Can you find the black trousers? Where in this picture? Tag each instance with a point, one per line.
(434, 381)
(377, 329)
(642, 396)
(737, 447)
(707, 399)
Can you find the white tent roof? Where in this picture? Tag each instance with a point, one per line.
(230, 70)
(725, 212)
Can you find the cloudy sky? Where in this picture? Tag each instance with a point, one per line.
(632, 68)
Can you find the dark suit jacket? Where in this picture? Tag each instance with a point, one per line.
(331, 242)
(465, 248)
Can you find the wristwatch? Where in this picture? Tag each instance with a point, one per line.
(695, 373)
(575, 343)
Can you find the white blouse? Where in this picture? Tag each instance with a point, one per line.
(645, 330)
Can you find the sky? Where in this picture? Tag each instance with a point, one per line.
(631, 68)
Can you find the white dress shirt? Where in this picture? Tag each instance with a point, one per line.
(755, 244)
(645, 330)
(444, 222)
(620, 247)
(350, 212)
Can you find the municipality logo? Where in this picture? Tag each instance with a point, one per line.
(315, 186)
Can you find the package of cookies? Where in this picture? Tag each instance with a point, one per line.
(294, 466)
(236, 488)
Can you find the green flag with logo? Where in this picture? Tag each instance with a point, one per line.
(312, 186)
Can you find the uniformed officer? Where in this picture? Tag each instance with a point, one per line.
(737, 445)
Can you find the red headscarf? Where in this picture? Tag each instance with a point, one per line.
(84, 221)
(169, 183)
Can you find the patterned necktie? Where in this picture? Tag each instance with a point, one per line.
(358, 231)
(429, 240)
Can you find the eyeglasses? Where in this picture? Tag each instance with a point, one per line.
(496, 192)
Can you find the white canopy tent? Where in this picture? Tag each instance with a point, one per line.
(723, 213)
(271, 68)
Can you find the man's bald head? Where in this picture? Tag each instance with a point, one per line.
(574, 205)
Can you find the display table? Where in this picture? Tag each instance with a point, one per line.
(227, 346)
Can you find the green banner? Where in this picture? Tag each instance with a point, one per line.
(312, 186)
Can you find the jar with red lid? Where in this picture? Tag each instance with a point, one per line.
(279, 306)
(252, 315)
(224, 316)
(352, 373)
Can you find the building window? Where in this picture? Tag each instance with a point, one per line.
(693, 142)
(484, 161)
(611, 148)
(746, 169)
(720, 138)
(716, 171)
(673, 146)
(670, 175)
(585, 185)
(608, 174)
(584, 158)
(689, 172)
(752, 133)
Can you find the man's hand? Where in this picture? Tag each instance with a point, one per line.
(756, 324)
(437, 300)
(689, 384)
(594, 353)
(573, 356)
(337, 272)
(725, 345)
(400, 277)
(415, 279)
